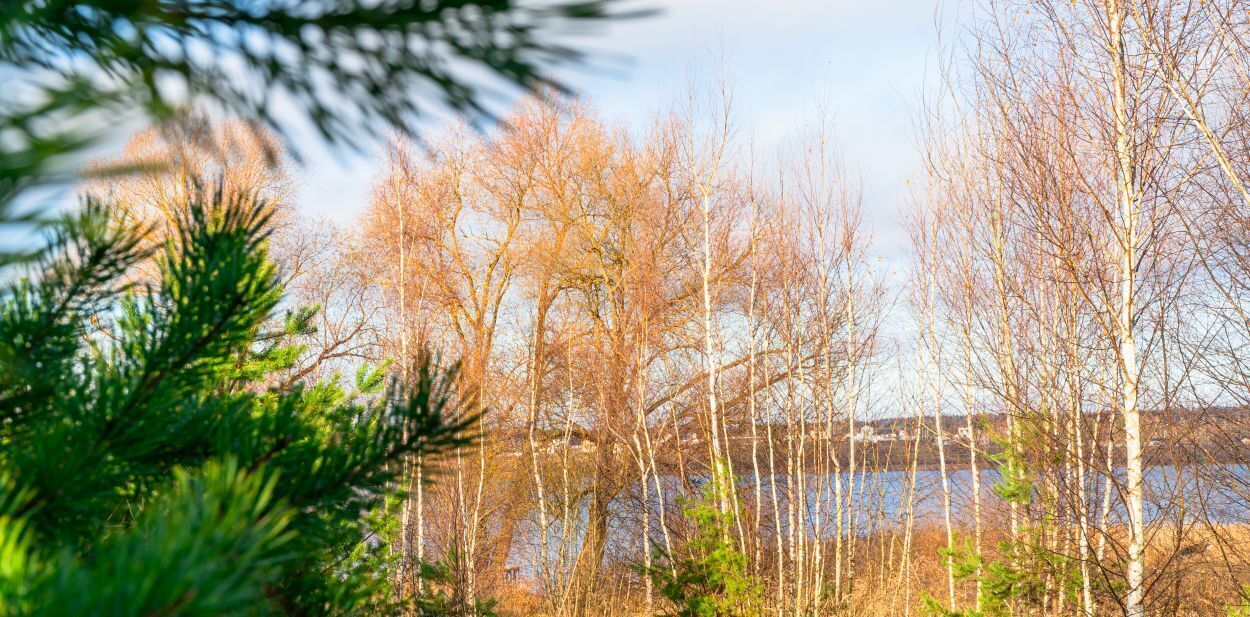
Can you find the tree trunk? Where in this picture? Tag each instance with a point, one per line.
(1134, 601)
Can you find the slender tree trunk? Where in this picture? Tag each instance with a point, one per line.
(757, 546)
(720, 482)
(1104, 511)
(1128, 195)
(1082, 505)
(910, 513)
(645, 531)
(536, 363)
(939, 435)
(973, 469)
(940, 439)
(408, 569)
(774, 495)
(420, 480)
(852, 405)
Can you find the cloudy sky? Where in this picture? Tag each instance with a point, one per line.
(866, 61)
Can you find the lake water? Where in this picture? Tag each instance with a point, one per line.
(1219, 493)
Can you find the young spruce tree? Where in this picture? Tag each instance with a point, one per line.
(712, 579)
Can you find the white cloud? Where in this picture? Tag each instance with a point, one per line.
(867, 59)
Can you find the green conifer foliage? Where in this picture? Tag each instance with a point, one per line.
(145, 469)
(713, 578)
(350, 69)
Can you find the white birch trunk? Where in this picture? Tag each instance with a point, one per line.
(1126, 231)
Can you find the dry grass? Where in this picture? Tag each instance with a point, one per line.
(1193, 571)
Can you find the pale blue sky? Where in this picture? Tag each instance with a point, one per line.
(866, 60)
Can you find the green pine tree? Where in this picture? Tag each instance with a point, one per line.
(713, 578)
(144, 469)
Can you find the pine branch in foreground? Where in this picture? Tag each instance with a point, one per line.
(144, 470)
